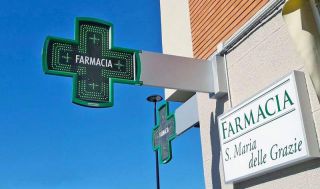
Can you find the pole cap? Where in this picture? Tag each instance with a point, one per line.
(154, 98)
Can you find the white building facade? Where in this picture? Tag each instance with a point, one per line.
(258, 53)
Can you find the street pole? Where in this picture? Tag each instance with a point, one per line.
(155, 99)
(157, 158)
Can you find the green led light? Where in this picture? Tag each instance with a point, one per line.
(92, 61)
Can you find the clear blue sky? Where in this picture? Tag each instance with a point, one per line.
(47, 142)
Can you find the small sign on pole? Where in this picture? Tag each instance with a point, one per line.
(163, 133)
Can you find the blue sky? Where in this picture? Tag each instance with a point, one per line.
(47, 142)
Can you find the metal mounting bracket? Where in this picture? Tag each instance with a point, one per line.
(183, 73)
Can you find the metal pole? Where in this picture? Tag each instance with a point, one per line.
(156, 152)
(155, 99)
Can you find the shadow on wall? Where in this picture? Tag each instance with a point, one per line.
(215, 143)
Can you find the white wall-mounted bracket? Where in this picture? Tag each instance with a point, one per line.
(182, 73)
(187, 115)
(219, 69)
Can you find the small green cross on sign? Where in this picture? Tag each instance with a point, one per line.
(66, 57)
(163, 133)
(93, 85)
(94, 38)
(92, 61)
(119, 65)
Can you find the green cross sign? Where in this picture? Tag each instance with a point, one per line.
(92, 61)
(163, 133)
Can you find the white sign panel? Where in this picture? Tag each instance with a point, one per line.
(271, 130)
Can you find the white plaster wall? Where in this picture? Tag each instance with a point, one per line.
(175, 28)
(209, 110)
(176, 35)
(264, 57)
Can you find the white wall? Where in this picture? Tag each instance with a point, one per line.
(265, 56)
(176, 36)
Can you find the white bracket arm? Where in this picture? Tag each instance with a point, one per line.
(187, 116)
(176, 72)
(182, 73)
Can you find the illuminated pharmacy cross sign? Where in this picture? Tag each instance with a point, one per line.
(92, 61)
(164, 133)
